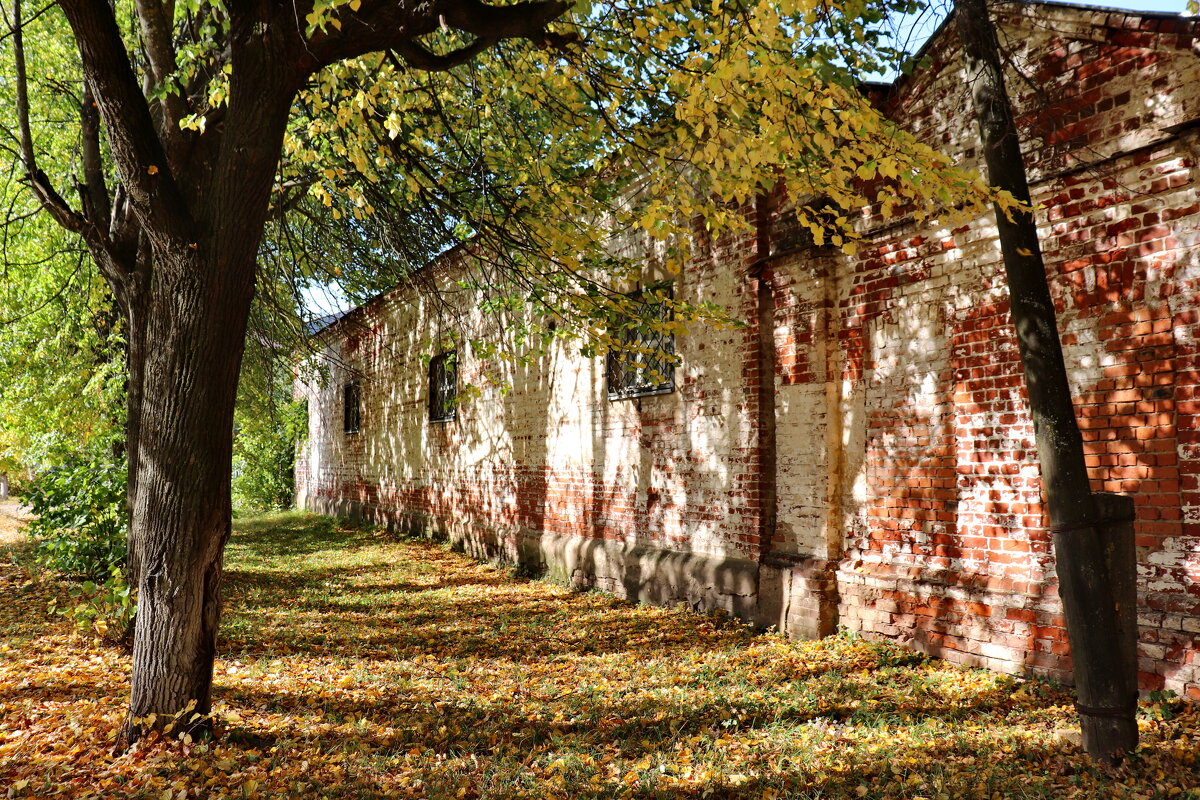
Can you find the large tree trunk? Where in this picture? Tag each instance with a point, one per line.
(1093, 534)
(197, 204)
(137, 313)
(181, 515)
(198, 309)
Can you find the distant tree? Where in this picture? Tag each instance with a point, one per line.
(543, 128)
(268, 422)
(61, 340)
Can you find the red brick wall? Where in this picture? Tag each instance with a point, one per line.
(947, 546)
(907, 494)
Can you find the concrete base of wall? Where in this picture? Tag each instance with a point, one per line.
(794, 594)
(644, 573)
(798, 596)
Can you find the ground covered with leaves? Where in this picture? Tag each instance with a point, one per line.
(355, 665)
(12, 517)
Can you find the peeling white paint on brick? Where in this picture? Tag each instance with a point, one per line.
(906, 473)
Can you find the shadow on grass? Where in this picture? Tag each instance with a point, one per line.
(357, 602)
(355, 665)
(816, 746)
(289, 534)
(314, 586)
(638, 718)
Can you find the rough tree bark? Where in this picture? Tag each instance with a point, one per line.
(182, 395)
(177, 241)
(135, 306)
(1093, 534)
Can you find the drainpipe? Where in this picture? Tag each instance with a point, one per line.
(760, 271)
(796, 594)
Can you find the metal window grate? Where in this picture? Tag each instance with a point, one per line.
(443, 387)
(352, 408)
(645, 362)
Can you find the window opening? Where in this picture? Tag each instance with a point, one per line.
(352, 408)
(645, 364)
(443, 387)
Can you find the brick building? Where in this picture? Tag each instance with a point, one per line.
(867, 461)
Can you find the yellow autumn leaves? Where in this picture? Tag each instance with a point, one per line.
(663, 113)
(355, 665)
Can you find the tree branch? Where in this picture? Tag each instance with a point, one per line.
(418, 57)
(96, 206)
(156, 21)
(133, 140)
(520, 21)
(50, 199)
(12, 31)
(396, 26)
(26, 135)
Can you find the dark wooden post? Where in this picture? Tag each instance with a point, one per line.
(1093, 534)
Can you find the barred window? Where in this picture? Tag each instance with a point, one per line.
(443, 387)
(645, 364)
(352, 408)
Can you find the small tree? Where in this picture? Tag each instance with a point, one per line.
(1093, 534)
(268, 424)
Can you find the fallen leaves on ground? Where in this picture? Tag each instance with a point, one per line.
(355, 665)
(13, 517)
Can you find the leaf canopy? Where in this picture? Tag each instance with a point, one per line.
(561, 168)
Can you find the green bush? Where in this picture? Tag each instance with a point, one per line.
(104, 609)
(264, 456)
(80, 519)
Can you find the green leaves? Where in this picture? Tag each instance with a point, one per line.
(105, 610)
(80, 518)
(60, 364)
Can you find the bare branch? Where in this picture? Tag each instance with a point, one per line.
(156, 28)
(96, 205)
(156, 21)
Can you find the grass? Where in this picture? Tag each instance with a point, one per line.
(355, 665)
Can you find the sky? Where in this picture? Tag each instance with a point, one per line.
(1141, 5)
